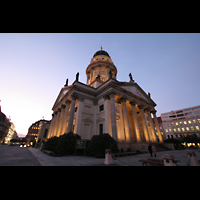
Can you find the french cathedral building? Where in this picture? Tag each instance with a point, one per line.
(105, 105)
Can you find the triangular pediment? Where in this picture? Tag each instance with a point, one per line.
(137, 90)
(61, 94)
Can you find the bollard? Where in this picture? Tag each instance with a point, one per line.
(168, 160)
(108, 157)
(192, 159)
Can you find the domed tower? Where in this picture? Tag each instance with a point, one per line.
(100, 66)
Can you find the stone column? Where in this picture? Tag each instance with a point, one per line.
(113, 116)
(157, 126)
(107, 110)
(126, 121)
(57, 122)
(71, 114)
(152, 134)
(61, 119)
(145, 127)
(77, 129)
(136, 123)
(51, 126)
(54, 124)
(65, 118)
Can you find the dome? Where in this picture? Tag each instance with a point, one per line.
(101, 52)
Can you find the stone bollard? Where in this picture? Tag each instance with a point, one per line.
(108, 157)
(192, 159)
(168, 160)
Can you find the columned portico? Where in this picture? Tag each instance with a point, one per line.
(145, 127)
(61, 119)
(126, 121)
(71, 114)
(157, 126)
(135, 122)
(152, 134)
(113, 116)
(65, 118)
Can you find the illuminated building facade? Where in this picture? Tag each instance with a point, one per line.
(105, 105)
(180, 123)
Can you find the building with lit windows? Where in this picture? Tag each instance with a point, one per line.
(105, 105)
(181, 123)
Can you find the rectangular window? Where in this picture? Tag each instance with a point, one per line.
(101, 108)
(190, 113)
(179, 129)
(174, 130)
(189, 122)
(192, 128)
(180, 123)
(197, 127)
(170, 130)
(183, 129)
(172, 124)
(176, 123)
(194, 121)
(185, 122)
(166, 130)
(187, 128)
(199, 120)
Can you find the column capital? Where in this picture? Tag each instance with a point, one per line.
(67, 102)
(112, 94)
(123, 99)
(140, 106)
(132, 103)
(63, 106)
(153, 111)
(146, 110)
(74, 96)
(59, 110)
(106, 96)
(55, 112)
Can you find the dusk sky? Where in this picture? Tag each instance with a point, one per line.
(35, 66)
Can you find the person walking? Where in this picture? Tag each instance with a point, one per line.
(150, 149)
(154, 150)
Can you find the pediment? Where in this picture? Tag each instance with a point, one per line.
(61, 94)
(138, 91)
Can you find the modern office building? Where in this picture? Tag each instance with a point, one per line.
(180, 123)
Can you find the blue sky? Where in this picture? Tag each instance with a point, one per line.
(34, 68)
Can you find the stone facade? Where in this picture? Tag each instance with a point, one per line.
(105, 105)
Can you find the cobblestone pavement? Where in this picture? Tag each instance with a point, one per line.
(17, 156)
(46, 160)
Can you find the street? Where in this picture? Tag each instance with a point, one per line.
(16, 156)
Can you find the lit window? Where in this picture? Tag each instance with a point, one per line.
(185, 122)
(197, 127)
(189, 122)
(194, 121)
(192, 128)
(199, 120)
(179, 129)
(180, 123)
(172, 124)
(183, 129)
(170, 130)
(174, 130)
(166, 130)
(187, 128)
(176, 123)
